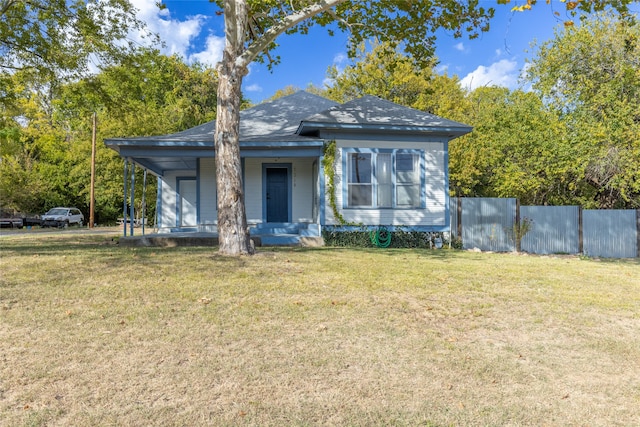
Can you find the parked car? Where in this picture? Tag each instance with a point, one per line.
(10, 219)
(31, 220)
(62, 217)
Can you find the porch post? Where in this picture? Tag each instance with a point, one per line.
(124, 198)
(321, 196)
(133, 188)
(158, 201)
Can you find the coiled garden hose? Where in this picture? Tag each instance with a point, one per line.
(380, 237)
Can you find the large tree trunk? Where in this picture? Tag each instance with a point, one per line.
(233, 233)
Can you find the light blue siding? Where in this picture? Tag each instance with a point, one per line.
(431, 216)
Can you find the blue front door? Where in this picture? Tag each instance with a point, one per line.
(277, 194)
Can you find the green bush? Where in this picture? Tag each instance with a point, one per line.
(362, 238)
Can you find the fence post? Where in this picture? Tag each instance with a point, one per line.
(459, 218)
(580, 241)
(517, 228)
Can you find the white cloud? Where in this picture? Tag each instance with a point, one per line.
(442, 68)
(501, 73)
(459, 47)
(253, 88)
(339, 61)
(213, 52)
(178, 36)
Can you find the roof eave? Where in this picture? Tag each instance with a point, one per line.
(451, 131)
(118, 143)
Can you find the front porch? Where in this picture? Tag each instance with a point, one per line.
(262, 234)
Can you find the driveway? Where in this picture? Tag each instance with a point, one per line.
(71, 230)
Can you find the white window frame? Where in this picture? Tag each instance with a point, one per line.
(380, 198)
(353, 178)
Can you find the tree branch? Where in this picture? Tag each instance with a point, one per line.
(287, 22)
(344, 21)
(5, 5)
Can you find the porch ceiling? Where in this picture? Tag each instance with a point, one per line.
(160, 165)
(159, 158)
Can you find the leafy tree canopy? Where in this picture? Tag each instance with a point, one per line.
(591, 75)
(411, 24)
(59, 37)
(45, 155)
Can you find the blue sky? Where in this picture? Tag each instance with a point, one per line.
(192, 29)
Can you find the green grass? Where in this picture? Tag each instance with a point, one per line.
(95, 334)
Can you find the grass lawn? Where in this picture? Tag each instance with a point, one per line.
(93, 334)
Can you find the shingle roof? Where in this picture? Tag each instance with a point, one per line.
(376, 113)
(293, 122)
(267, 122)
(297, 117)
(280, 118)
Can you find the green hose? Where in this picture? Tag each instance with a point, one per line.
(380, 237)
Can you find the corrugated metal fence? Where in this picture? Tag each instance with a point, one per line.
(492, 224)
(554, 229)
(611, 233)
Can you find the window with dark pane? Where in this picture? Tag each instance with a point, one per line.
(360, 179)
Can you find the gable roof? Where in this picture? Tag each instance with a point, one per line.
(280, 118)
(286, 124)
(373, 113)
(267, 122)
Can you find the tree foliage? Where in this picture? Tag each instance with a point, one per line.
(46, 156)
(410, 23)
(43, 44)
(392, 75)
(590, 74)
(516, 149)
(60, 37)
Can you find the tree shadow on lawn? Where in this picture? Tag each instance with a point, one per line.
(106, 249)
(441, 254)
(61, 245)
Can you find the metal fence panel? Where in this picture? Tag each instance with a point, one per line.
(554, 229)
(487, 223)
(610, 233)
(453, 212)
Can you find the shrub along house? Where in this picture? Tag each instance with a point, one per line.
(388, 166)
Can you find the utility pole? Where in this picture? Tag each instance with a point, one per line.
(93, 174)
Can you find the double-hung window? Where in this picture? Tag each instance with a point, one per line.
(383, 179)
(360, 181)
(407, 180)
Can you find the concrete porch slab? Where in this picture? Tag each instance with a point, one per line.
(171, 240)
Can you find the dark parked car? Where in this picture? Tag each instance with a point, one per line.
(31, 219)
(62, 217)
(10, 218)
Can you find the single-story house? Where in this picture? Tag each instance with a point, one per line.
(390, 167)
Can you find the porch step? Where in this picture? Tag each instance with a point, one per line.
(303, 229)
(286, 234)
(274, 228)
(280, 240)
